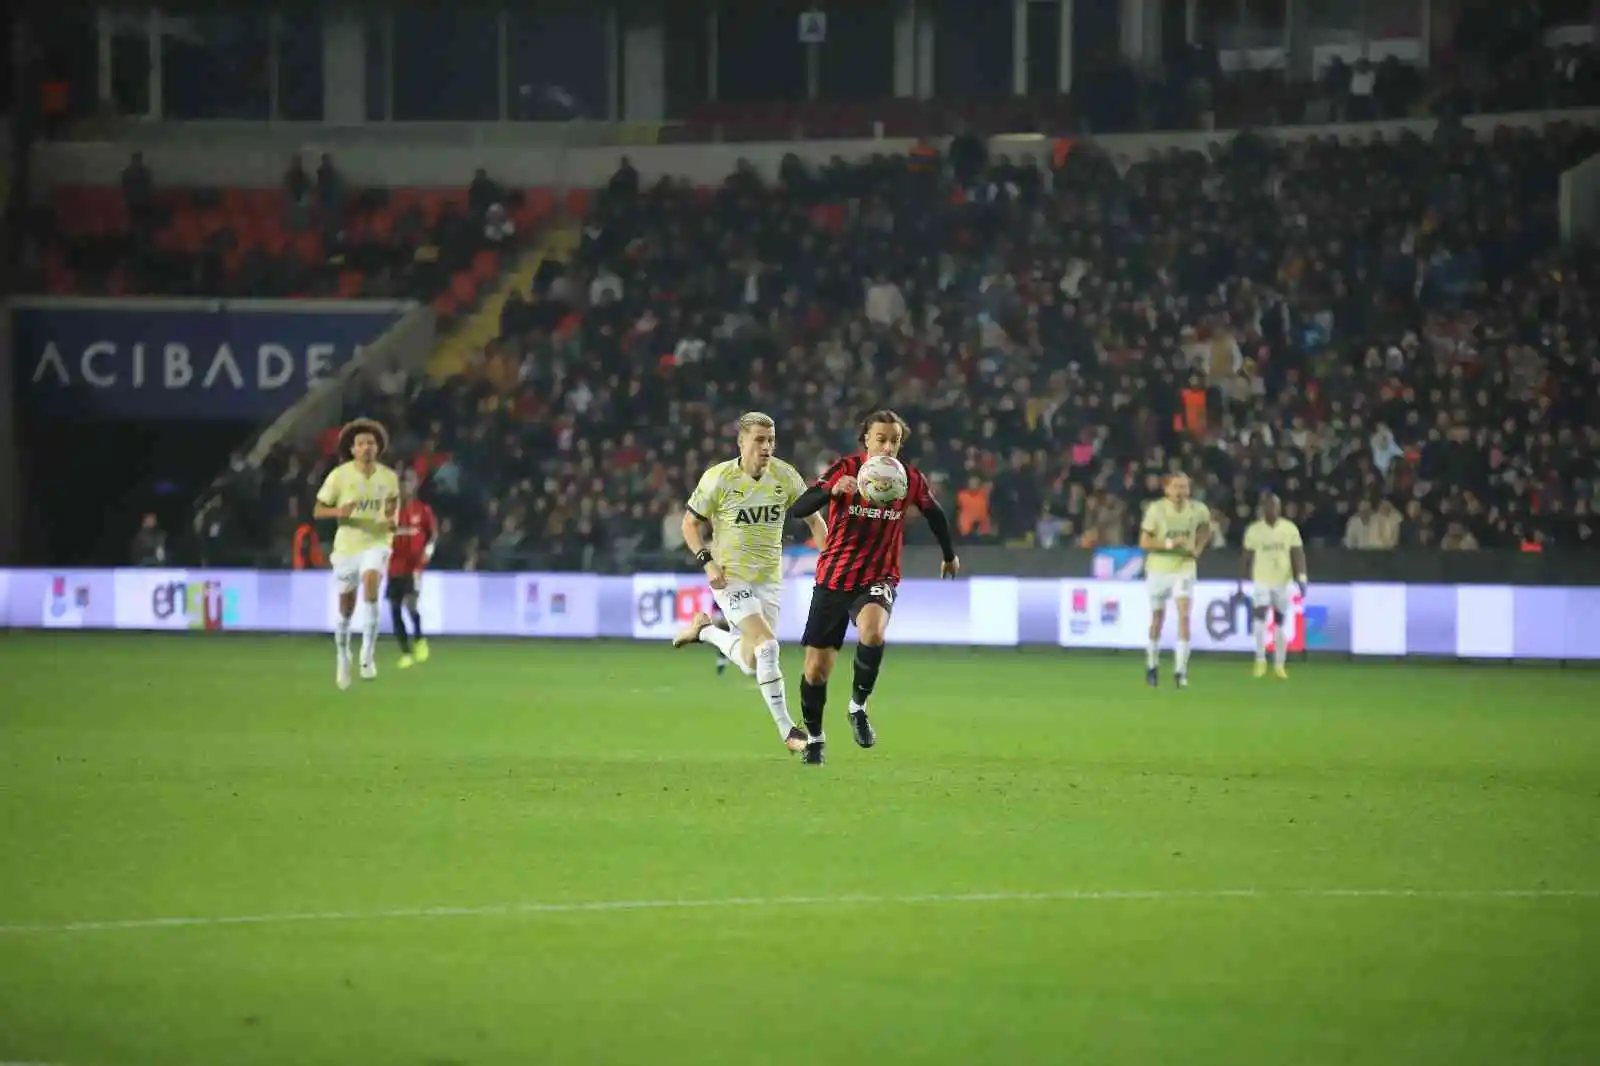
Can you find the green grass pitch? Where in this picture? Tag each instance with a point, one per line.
(1042, 862)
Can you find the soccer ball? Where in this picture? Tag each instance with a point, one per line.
(883, 480)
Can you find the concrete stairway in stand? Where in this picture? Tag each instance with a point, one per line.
(473, 332)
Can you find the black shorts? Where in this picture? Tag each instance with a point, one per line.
(832, 612)
(401, 587)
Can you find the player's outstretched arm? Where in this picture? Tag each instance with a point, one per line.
(939, 522)
(1151, 540)
(693, 533)
(327, 504)
(694, 540)
(819, 529)
(810, 502)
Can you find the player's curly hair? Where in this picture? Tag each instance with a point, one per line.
(881, 417)
(354, 428)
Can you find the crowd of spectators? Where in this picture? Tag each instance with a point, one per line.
(1387, 332)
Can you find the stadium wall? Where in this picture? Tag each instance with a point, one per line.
(522, 154)
(1389, 620)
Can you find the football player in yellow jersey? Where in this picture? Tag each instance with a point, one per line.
(1174, 534)
(364, 496)
(1274, 555)
(746, 501)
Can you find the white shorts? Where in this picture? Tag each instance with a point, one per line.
(744, 599)
(1274, 596)
(1163, 587)
(347, 569)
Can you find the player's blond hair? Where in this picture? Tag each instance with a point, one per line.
(358, 426)
(755, 420)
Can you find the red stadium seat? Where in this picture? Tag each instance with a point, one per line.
(308, 247)
(542, 201)
(380, 227)
(485, 265)
(248, 225)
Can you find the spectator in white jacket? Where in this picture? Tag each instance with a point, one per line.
(886, 305)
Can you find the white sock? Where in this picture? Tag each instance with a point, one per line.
(857, 708)
(1181, 660)
(1152, 654)
(1261, 641)
(769, 678)
(727, 642)
(341, 636)
(1280, 649)
(369, 631)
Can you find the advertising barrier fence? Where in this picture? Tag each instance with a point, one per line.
(1469, 621)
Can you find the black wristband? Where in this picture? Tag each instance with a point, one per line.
(703, 556)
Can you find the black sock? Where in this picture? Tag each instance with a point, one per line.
(813, 698)
(400, 628)
(416, 622)
(869, 658)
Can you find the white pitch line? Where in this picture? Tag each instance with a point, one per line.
(775, 902)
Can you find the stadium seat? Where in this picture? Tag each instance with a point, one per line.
(284, 252)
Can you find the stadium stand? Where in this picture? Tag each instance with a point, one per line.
(1386, 331)
(312, 237)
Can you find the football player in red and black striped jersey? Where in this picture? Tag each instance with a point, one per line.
(858, 573)
(416, 535)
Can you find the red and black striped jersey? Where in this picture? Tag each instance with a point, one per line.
(864, 539)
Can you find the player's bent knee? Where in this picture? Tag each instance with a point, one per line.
(754, 632)
(872, 624)
(819, 665)
(767, 660)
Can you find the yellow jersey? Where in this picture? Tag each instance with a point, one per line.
(1273, 545)
(374, 496)
(747, 516)
(1163, 520)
